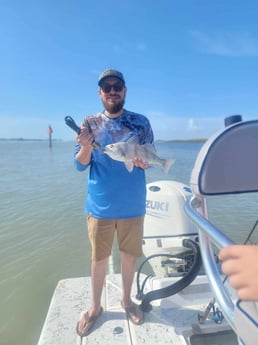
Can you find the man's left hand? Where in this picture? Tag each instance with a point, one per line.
(139, 163)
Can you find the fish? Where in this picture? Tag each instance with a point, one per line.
(127, 151)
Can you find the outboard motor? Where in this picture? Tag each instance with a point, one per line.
(165, 228)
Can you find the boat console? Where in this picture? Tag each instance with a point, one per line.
(226, 164)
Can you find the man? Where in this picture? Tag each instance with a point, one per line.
(116, 197)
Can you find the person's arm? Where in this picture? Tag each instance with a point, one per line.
(240, 264)
(84, 149)
(85, 140)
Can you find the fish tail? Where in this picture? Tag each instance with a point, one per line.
(167, 164)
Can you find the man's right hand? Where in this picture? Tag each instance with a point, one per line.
(85, 138)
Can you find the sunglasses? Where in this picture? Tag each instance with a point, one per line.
(106, 88)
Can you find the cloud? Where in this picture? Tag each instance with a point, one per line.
(129, 48)
(95, 72)
(226, 44)
(118, 48)
(34, 128)
(167, 126)
(141, 46)
(192, 124)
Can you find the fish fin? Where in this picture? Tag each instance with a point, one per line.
(167, 164)
(129, 165)
(150, 147)
(133, 140)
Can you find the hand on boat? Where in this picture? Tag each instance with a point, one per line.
(240, 264)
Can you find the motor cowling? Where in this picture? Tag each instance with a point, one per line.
(166, 226)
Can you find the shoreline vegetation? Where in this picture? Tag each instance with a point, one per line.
(159, 141)
(197, 140)
(22, 139)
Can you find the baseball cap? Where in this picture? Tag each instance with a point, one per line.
(110, 73)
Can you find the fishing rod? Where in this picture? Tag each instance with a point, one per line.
(203, 317)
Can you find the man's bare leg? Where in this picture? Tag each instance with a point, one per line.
(128, 266)
(98, 273)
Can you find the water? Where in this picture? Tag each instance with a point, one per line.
(43, 228)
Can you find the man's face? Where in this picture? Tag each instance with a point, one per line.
(113, 98)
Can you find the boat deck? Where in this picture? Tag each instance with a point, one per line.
(171, 321)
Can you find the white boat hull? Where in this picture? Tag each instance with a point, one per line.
(171, 321)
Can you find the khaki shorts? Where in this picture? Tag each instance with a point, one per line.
(102, 231)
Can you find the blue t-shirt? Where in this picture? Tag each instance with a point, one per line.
(113, 192)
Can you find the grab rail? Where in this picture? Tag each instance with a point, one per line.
(209, 233)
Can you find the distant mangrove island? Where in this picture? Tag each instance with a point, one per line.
(158, 141)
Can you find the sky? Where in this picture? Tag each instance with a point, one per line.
(188, 64)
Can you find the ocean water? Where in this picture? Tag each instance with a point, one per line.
(43, 236)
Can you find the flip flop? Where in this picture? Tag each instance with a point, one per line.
(89, 322)
(134, 313)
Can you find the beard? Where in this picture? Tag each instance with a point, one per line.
(113, 108)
